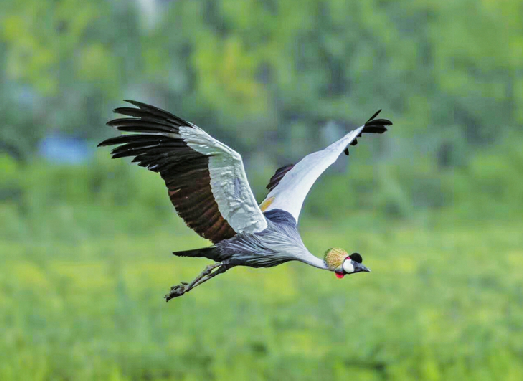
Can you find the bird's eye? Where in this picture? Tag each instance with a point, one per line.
(356, 257)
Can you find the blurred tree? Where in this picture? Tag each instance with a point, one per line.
(477, 50)
(62, 65)
(257, 72)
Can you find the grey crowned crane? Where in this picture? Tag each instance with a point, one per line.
(208, 187)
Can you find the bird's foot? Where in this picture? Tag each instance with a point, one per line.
(177, 290)
(205, 275)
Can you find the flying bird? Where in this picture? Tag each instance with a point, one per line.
(208, 187)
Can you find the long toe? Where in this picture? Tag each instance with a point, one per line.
(176, 291)
(182, 284)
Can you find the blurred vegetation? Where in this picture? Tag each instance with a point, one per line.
(448, 73)
(434, 205)
(86, 259)
(267, 76)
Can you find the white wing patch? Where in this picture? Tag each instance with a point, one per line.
(229, 183)
(292, 189)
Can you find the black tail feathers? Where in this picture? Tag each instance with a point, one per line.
(207, 252)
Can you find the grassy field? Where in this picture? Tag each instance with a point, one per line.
(443, 302)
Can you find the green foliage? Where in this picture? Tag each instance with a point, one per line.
(438, 305)
(36, 199)
(489, 186)
(250, 71)
(70, 203)
(86, 259)
(434, 205)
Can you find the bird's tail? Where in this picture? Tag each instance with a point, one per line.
(207, 252)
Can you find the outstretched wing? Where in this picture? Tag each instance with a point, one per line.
(205, 178)
(290, 184)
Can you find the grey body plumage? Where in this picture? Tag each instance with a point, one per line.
(208, 187)
(280, 242)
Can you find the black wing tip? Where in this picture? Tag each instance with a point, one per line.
(109, 141)
(142, 110)
(140, 105)
(378, 122)
(112, 122)
(376, 126)
(373, 116)
(127, 101)
(371, 126)
(134, 103)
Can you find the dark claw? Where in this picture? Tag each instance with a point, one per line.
(176, 291)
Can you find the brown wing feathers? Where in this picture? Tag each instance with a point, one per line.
(158, 146)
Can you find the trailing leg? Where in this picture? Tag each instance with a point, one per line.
(209, 272)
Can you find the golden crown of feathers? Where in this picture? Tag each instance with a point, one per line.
(334, 257)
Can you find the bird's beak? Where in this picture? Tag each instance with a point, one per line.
(358, 267)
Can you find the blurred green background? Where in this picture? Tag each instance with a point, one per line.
(434, 205)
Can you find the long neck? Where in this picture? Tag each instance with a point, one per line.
(314, 261)
(288, 238)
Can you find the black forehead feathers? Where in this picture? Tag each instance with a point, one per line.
(356, 257)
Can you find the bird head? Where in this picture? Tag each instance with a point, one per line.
(339, 261)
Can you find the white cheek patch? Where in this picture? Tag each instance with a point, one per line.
(347, 266)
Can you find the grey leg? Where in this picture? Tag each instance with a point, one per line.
(204, 276)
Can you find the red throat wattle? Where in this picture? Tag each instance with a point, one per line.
(339, 275)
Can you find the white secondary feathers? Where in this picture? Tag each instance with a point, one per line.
(229, 184)
(292, 189)
(231, 189)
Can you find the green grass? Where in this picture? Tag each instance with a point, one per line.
(441, 303)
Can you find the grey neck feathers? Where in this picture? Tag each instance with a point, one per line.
(285, 223)
(314, 261)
